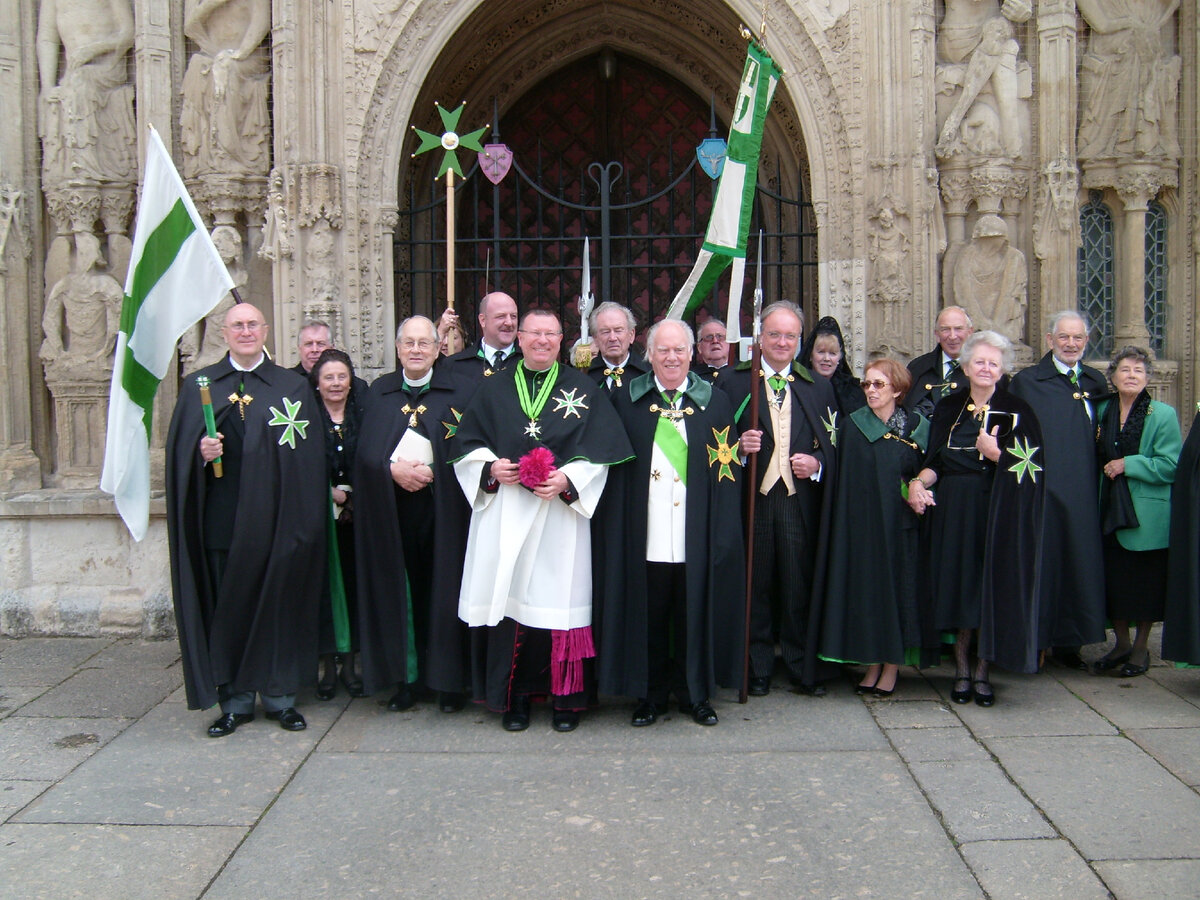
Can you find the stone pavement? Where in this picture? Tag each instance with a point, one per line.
(1072, 786)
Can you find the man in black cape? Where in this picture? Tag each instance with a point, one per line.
(675, 560)
(613, 330)
(497, 347)
(1181, 620)
(936, 373)
(532, 455)
(410, 522)
(1063, 393)
(247, 549)
(792, 512)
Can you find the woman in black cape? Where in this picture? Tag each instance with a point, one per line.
(824, 352)
(1181, 619)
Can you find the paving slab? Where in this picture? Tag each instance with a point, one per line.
(1034, 705)
(15, 795)
(978, 802)
(15, 696)
(137, 655)
(1178, 749)
(1150, 814)
(108, 861)
(915, 714)
(1143, 879)
(1184, 683)
(1136, 702)
(45, 661)
(937, 744)
(1033, 870)
(599, 825)
(102, 693)
(165, 770)
(780, 721)
(38, 749)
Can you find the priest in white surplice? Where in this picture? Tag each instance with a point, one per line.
(532, 457)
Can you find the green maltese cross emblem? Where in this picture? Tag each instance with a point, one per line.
(723, 456)
(831, 426)
(1024, 464)
(452, 427)
(450, 140)
(292, 425)
(569, 403)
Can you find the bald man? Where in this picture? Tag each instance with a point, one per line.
(247, 544)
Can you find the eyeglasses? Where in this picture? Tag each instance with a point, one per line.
(423, 344)
(245, 326)
(541, 334)
(713, 339)
(789, 336)
(877, 384)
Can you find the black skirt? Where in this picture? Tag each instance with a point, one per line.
(1135, 581)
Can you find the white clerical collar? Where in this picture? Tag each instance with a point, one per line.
(490, 352)
(233, 362)
(419, 382)
(1063, 368)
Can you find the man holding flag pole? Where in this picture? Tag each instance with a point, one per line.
(246, 545)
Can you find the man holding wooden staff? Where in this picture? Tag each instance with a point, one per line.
(247, 546)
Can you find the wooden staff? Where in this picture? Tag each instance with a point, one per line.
(755, 384)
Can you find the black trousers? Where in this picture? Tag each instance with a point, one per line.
(785, 547)
(416, 538)
(666, 618)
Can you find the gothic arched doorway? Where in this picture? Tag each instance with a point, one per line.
(604, 121)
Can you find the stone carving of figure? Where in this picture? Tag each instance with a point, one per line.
(83, 314)
(978, 52)
(1129, 81)
(887, 247)
(87, 126)
(990, 279)
(204, 343)
(225, 127)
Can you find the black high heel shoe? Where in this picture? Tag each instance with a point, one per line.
(961, 695)
(1112, 660)
(981, 699)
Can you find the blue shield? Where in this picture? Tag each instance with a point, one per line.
(711, 155)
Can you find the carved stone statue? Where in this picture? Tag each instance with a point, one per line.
(87, 125)
(990, 278)
(83, 314)
(204, 343)
(1129, 81)
(225, 127)
(887, 248)
(979, 67)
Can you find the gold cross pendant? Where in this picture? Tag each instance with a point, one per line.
(412, 414)
(242, 400)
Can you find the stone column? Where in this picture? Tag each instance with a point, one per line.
(1136, 186)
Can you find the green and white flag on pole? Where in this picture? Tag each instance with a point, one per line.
(729, 228)
(176, 277)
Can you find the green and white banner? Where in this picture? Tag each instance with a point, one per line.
(176, 277)
(729, 227)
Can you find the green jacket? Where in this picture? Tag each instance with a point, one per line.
(1150, 473)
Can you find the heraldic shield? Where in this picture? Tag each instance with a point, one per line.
(494, 161)
(711, 154)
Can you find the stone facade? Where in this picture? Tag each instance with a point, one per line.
(948, 146)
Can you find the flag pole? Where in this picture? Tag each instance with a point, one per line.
(755, 382)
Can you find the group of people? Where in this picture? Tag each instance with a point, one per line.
(498, 525)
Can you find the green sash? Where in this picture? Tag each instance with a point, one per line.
(671, 443)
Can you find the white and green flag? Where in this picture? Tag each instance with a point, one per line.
(176, 277)
(729, 227)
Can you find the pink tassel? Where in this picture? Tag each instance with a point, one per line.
(568, 650)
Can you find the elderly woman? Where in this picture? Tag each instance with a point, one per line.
(824, 352)
(332, 377)
(983, 530)
(870, 608)
(1138, 440)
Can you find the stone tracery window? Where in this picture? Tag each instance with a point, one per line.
(1096, 289)
(1156, 274)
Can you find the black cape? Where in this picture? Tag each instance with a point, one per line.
(635, 366)
(469, 363)
(494, 420)
(1181, 621)
(715, 565)
(871, 611)
(1006, 581)
(257, 631)
(816, 398)
(383, 609)
(1073, 601)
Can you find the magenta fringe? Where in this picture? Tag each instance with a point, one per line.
(568, 650)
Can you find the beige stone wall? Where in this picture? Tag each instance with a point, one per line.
(918, 120)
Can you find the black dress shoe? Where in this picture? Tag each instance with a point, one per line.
(289, 719)
(1110, 661)
(517, 717)
(228, 723)
(759, 687)
(566, 720)
(450, 701)
(401, 700)
(811, 690)
(1132, 670)
(1069, 658)
(645, 714)
(326, 690)
(983, 698)
(962, 695)
(703, 713)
